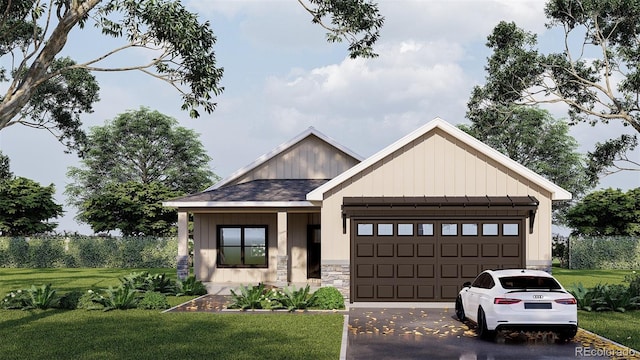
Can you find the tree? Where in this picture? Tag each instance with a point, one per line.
(596, 71)
(532, 137)
(5, 171)
(51, 92)
(132, 207)
(26, 207)
(143, 147)
(607, 212)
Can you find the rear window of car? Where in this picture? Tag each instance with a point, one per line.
(529, 282)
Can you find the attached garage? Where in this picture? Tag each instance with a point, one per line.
(424, 249)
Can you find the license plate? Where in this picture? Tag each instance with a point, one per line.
(537, 305)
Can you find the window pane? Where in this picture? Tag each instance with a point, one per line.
(405, 229)
(385, 229)
(255, 255)
(509, 229)
(230, 255)
(254, 236)
(470, 229)
(365, 229)
(425, 229)
(489, 229)
(230, 236)
(449, 229)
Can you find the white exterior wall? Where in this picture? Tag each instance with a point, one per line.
(435, 164)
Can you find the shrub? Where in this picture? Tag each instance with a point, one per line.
(634, 283)
(17, 299)
(143, 281)
(153, 301)
(251, 297)
(584, 296)
(121, 298)
(70, 300)
(614, 297)
(190, 286)
(45, 252)
(43, 297)
(87, 302)
(328, 298)
(604, 252)
(295, 299)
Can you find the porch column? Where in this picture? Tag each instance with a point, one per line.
(183, 245)
(282, 268)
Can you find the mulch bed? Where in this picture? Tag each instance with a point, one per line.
(206, 303)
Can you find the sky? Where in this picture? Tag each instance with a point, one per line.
(281, 77)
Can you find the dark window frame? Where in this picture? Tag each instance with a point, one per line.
(242, 247)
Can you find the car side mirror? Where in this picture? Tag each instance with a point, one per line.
(466, 284)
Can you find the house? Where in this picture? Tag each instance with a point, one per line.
(412, 222)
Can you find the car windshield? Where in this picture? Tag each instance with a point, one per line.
(529, 282)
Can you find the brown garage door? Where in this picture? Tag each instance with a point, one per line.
(429, 260)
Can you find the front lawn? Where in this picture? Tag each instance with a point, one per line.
(148, 334)
(623, 328)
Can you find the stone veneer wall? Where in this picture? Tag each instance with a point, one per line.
(338, 276)
(282, 272)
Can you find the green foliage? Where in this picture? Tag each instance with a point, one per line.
(26, 207)
(294, 299)
(584, 297)
(70, 300)
(132, 164)
(634, 283)
(83, 251)
(604, 253)
(190, 286)
(143, 281)
(5, 170)
(250, 297)
(605, 297)
(153, 301)
(533, 138)
(121, 298)
(607, 212)
(42, 297)
(328, 298)
(357, 21)
(17, 299)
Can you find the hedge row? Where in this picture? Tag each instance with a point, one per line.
(604, 252)
(88, 251)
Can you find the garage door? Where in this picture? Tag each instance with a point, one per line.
(429, 259)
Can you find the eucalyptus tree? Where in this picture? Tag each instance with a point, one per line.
(594, 71)
(48, 91)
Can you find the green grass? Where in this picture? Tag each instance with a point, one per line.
(623, 328)
(145, 334)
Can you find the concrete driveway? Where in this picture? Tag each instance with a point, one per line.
(425, 333)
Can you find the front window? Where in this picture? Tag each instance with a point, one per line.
(242, 246)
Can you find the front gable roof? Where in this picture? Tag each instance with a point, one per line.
(311, 131)
(557, 193)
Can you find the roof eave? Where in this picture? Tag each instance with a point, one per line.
(237, 204)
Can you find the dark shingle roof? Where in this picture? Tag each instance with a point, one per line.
(260, 190)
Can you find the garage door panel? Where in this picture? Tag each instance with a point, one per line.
(449, 270)
(385, 270)
(428, 266)
(406, 291)
(510, 250)
(385, 250)
(364, 270)
(490, 250)
(469, 250)
(449, 250)
(426, 271)
(405, 271)
(426, 292)
(405, 250)
(385, 291)
(426, 250)
(364, 250)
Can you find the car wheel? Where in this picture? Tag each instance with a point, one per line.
(460, 309)
(482, 330)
